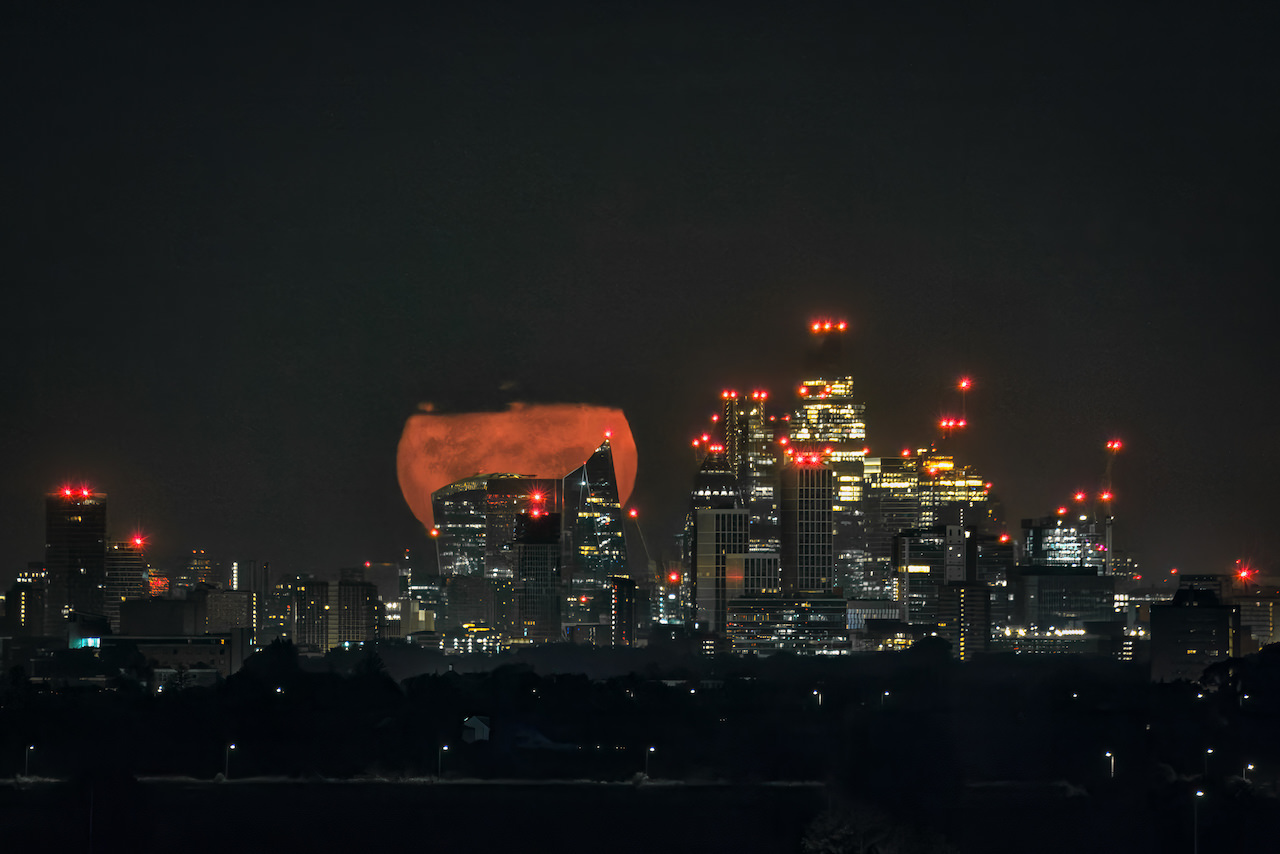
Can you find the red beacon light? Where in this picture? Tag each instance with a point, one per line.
(1080, 496)
(782, 440)
(1004, 538)
(1106, 496)
(906, 452)
(842, 326)
(817, 327)
(674, 578)
(965, 383)
(66, 490)
(1062, 511)
(633, 512)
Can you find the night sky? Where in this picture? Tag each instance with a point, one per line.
(240, 246)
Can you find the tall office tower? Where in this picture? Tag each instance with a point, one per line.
(808, 541)
(951, 494)
(1066, 539)
(472, 601)
(75, 554)
(127, 578)
(309, 613)
(539, 580)
(927, 559)
(200, 569)
(594, 542)
(622, 611)
(276, 614)
(964, 618)
(721, 543)
(830, 421)
(251, 575)
(715, 487)
(891, 498)
(254, 576)
(24, 607)
(353, 613)
(750, 449)
(459, 512)
(507, 497)
(227, 610)
(1190, 632)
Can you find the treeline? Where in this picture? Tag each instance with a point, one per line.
(916, 723)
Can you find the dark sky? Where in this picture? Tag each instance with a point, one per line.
(239, 246)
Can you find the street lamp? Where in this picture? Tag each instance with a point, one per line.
(226, 760)
(26, 760)
(1247, 768)
(883, 697)
(1111, 756)
(818, 694)
(647, 754)
(1207, 752)
(440, 751)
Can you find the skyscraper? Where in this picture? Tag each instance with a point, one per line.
(539, 587)
(830, 421)
(75, 553)
(750, 451)
(594, 542)
(808, 552)
(126, 577)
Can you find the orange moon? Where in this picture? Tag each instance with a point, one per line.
(541, 439)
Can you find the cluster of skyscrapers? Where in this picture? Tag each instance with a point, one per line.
(796, 539)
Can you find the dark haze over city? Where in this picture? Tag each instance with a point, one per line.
(241, 247)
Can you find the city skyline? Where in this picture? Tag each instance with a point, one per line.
(241, 267)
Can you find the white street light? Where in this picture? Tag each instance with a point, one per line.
(647, 754)
(440, 760)
(1111, 756)
(26, 760)
(226, 761)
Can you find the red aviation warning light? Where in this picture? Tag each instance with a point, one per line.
(633, 512)
(536, 496)
(674, 577)
(1106, 496)
(1062, 511)
(1080, 496)
(435, 532)
(965, 384)
(906, 452)
(1004, 538)
(1114, 445)
(829, 325)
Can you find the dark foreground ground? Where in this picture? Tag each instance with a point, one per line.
(248, 817)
